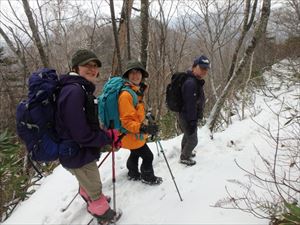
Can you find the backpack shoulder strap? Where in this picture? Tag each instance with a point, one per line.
(132, 93)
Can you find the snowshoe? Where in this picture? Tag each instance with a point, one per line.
(152, 181)
(109, 217)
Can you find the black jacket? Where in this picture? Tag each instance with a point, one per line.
(193, 100)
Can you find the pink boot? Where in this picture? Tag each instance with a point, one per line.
(98, 207)
(87, 198)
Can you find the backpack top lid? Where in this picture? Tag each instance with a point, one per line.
(174, 99)
(42, 84)
(108, 103)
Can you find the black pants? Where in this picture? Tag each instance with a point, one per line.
(146, 167)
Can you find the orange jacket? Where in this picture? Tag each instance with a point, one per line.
(131, 119)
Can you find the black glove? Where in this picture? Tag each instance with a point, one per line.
(149, 129)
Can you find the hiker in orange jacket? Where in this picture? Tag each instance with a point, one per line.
(132, 119)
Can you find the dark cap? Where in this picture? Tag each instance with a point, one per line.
(202, 61)
(134, 64)
(83, 56)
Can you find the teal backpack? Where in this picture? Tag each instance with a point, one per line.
(108, 103)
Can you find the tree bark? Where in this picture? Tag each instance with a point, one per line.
(144, 31)
(47, 47)
(246, 26)
(121, 36)
(259, 31)
(128, 15)
(35, 34)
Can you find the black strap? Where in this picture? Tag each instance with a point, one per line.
(40, 175)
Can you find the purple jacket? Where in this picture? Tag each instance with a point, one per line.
(193, 100)
(72, 122)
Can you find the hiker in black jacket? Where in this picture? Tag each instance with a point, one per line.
(192, 110)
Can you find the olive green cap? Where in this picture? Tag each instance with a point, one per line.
(83, 56)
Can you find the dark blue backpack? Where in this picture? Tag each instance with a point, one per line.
(35, 118)
(108, 103)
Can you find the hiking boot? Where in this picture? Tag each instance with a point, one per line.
(187, 161)
(87, 198)
(98, 207)
(153, 180)
(109, 217)
(134, 176)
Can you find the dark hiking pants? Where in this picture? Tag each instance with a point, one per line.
(133, 162)
(189, 141)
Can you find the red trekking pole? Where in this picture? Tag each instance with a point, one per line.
(114, 178)
(114, 171)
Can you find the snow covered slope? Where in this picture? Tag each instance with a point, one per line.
(200, 186)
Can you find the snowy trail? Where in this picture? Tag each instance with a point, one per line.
(201, 186)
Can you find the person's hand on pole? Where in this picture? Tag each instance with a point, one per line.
(113, 134)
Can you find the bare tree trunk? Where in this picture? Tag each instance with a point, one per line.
(47, 47)
(127, 20)
(35, 33)
(116, 66)
(121, 36)
(246, 26)
(124, 29)
(245, 87)
(144, 31)
(259, 31)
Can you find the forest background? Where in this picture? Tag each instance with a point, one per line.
(242, 38)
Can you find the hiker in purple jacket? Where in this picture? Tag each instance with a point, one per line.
(192, 109)
(77, 120)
